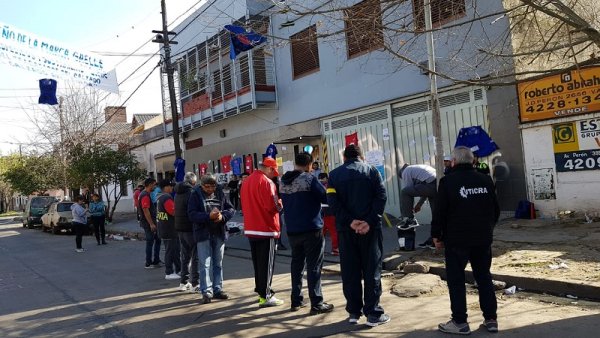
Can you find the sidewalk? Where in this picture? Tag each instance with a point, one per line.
(560, 257)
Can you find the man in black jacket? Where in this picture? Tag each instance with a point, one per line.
(357, 197)
(183, 226)
(210, 211)
(464, 217)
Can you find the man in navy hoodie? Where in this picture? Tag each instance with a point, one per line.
(302, 195)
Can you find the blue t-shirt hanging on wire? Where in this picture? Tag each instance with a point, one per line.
(48, 92)
(236, 166)
(477, 140)
(271, 151)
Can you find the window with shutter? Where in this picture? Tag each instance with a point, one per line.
(363, 27)
(442, 12)
(305, 52)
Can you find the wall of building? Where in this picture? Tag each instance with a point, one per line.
(503, 114)
(343, 84)
(554, 191)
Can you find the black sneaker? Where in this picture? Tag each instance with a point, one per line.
(149, 266)
(206, 298)
(408, 224)
(321, 308)
(353, 318)
(491, 325)
(221, 295)
(427, 244)
(296, 307)
(376, 321)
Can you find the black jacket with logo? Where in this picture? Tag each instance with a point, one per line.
(164, 221)
(466, 208)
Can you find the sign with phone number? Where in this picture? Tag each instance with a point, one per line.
(577, 160)
(571, 93)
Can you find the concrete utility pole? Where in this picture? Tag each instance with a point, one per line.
(163, 37)
(435, 103)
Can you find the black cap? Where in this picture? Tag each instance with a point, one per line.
(165, 183)
(149, 181)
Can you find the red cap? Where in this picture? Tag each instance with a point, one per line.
(271, 163)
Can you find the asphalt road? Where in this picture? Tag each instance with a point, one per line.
(49, 290)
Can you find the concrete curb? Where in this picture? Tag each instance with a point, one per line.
(549, 286)
(540, 285)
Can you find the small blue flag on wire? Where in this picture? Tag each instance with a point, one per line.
(242, 40)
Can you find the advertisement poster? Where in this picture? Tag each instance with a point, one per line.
(570, 93)
(577, 145)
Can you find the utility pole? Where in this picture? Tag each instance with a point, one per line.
(162, 36)
(63, 155)
(435, 103)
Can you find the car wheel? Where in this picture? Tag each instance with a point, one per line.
(55, 230)
(30, 225)
(43, 227)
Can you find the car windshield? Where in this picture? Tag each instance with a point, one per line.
(63, 207)
(41, 202)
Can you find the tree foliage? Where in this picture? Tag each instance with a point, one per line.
(104, 168)
(31, 174)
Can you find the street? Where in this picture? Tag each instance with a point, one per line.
(49, 290)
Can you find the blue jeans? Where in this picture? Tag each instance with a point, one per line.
(152, 240)
(210, 261)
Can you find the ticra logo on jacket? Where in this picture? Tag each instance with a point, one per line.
(465, 192)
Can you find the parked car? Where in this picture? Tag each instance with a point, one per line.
(35, 208)
(58, 217)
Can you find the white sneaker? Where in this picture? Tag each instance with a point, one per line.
(271, 301)
(182, 287)
(80, 250)
(172, 276)
(194, 289)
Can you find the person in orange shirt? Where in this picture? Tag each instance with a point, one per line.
(261, 207)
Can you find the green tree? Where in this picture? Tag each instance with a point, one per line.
(100, 167)
(32, 174)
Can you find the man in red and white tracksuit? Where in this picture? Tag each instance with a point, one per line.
(261, 207)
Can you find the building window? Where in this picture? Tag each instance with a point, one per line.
(305, 52)
(123, 187)
(442, 11)
(363, 27)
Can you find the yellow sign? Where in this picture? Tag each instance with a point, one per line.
(564, 137)
(279, 161)
(571, 93)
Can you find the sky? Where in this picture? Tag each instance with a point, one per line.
(109, 28)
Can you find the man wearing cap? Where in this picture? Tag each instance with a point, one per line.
(357, 197)
(147, 213)
(261, 207)
(165, 219)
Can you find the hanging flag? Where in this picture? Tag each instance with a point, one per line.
(48, 92)
(203, 168)
(236, 166)
(226, 163)
(249, 164)
(477, 140)
(179, 169)
(271, 151)
(242, 40)
(352, 139)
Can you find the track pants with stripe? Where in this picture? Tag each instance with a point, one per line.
(263, 259)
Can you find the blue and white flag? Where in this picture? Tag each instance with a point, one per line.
(242, 40)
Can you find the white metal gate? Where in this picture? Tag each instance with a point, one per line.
(403, 132)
